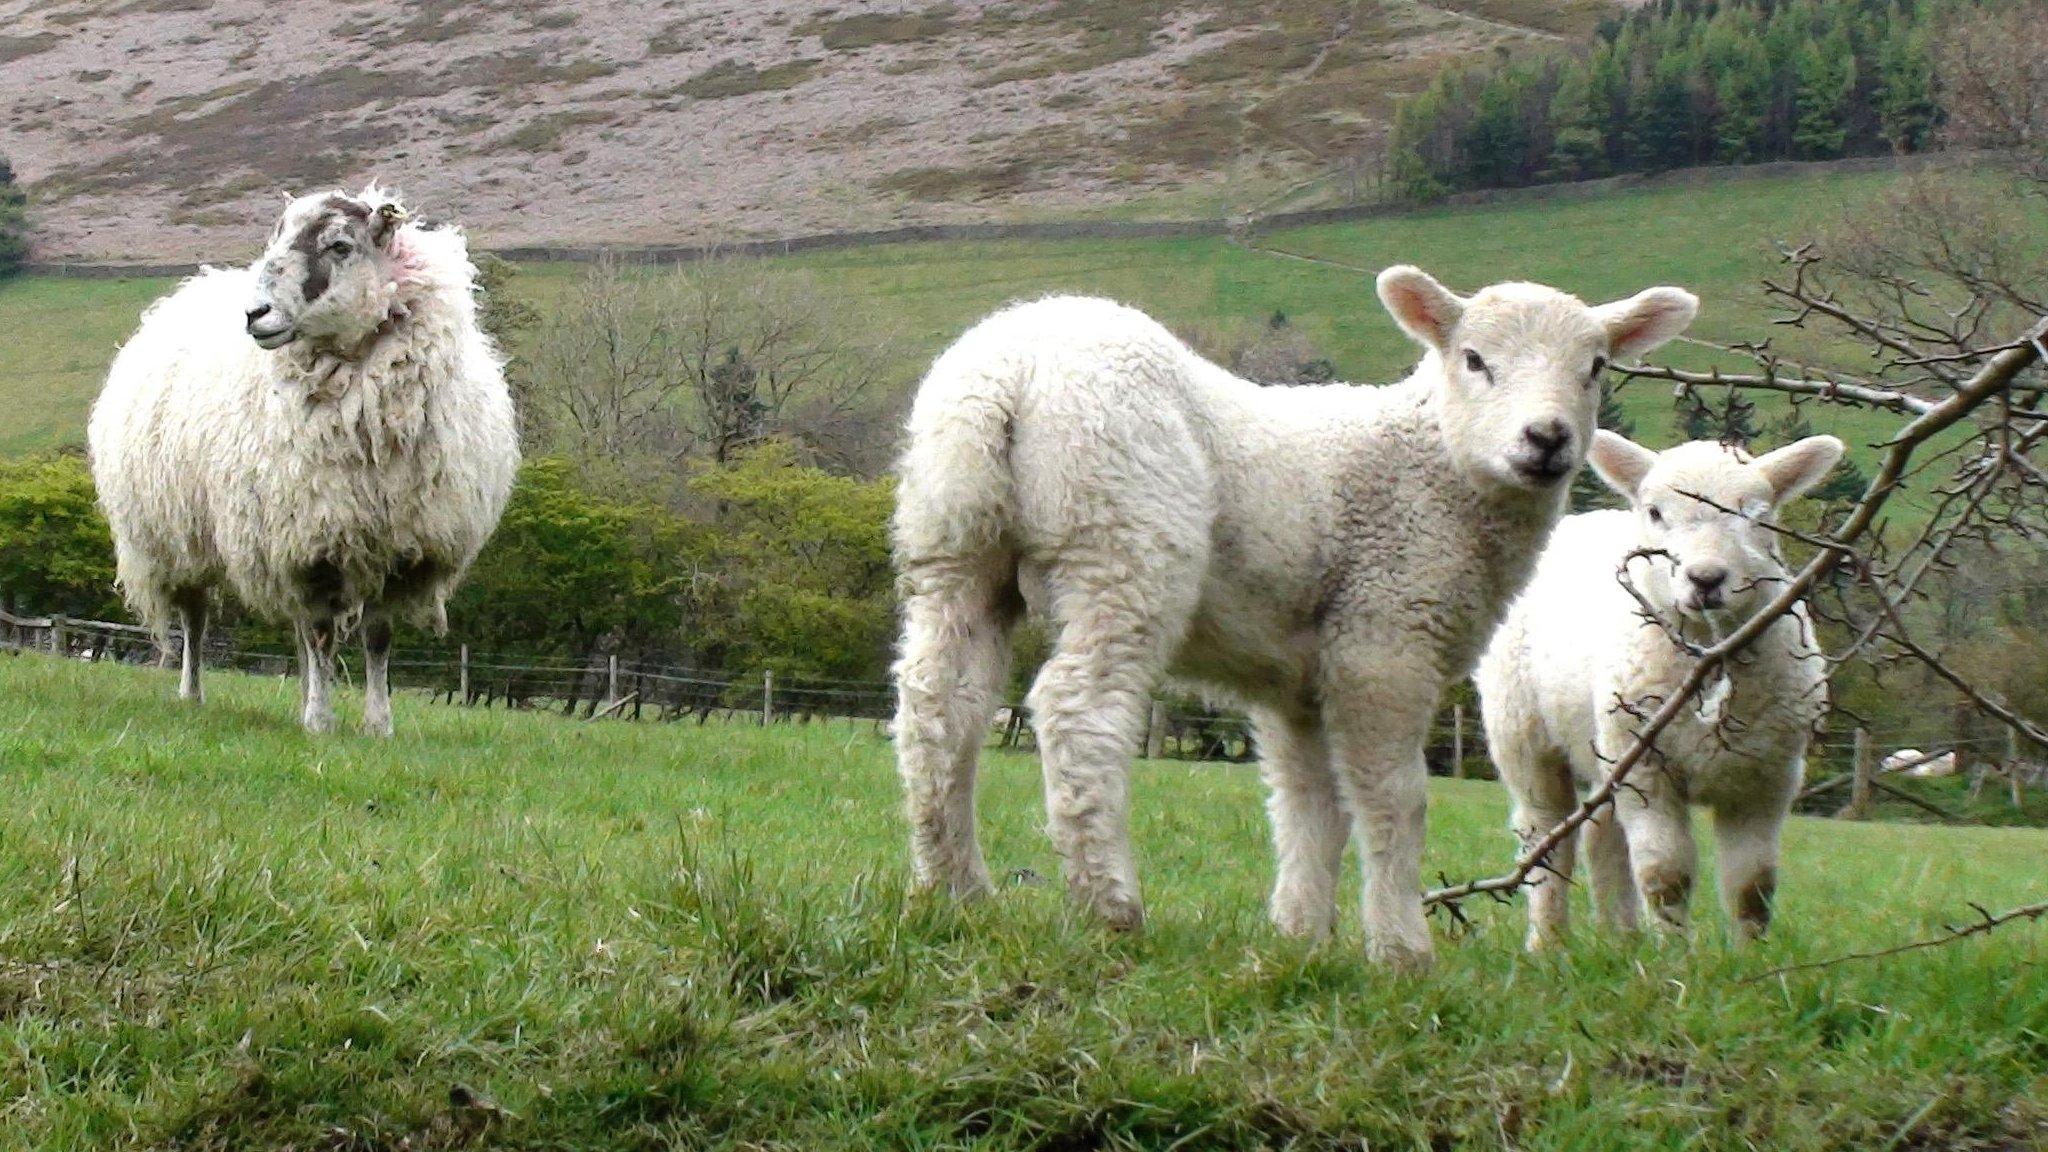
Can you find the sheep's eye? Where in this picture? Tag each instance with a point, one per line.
(340, 248)
(1656, 515)
(1473, 362)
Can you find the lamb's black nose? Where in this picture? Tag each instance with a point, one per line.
(256, 313)
(1549, 438)
(1707, 577)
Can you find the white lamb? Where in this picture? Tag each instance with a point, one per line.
(327, 431)
(1327, 557)
(1583, 659)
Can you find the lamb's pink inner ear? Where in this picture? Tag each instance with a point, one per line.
(1796, 467)
(1425, 309)
(1620, 462)
(1648, 319)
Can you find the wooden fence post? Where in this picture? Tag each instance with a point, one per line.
(1155, 731)
(767, 697)
(2012, 766)
(60, 640)
(1458, 741)
(462, 673)
(1858, 807)
(611, 679)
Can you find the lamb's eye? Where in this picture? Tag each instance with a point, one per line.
(340, 248)
(1473, 362)
(1656, 515)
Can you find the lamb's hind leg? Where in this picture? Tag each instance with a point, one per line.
(1309, 823)
(949, 679)
(192, 619)
(1089, 705)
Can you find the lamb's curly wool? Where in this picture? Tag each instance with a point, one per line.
(1327, 557)
(360, 466)
(1584, 658)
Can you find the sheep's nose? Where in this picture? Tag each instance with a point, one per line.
(256, 313)
(1707, 577)
(1549, 437)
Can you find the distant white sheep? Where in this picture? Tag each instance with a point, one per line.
(326, 431)
(1327, 557)
(1919, 765)
(1581, 661)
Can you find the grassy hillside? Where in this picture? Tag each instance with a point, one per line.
(1714, 238)
(511, 931)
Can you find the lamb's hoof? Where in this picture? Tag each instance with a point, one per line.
(1545, 940)
(1116, 911)
(1298, 920)
(378, 726)
(318, 725)
(963, 886)
(1402, 955)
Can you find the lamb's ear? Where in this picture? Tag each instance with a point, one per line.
(1647, 319)
(1798, 466)
(1621, 462)
(1424, 309)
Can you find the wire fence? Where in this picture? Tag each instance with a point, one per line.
(611, 687)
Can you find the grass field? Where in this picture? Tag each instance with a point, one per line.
(513, 931)
(1713, 238)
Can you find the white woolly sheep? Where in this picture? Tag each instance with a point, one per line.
(327, 431)
(1919, 765)
(1327, 557)
(1583, 659)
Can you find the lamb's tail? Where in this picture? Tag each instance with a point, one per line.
(956, 496)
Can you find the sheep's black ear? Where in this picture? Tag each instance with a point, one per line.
(1620, 462)
(1424, 309)
(1798, 466)
(385, 219)
(1647, 319)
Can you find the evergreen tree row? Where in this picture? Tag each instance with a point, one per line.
(1679, 84)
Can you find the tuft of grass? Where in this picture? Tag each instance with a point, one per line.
(511, 931)
(737, 78)
(869, 29)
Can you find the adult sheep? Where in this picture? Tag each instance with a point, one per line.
(1327, 557)
(326, 431)
(1608, 629)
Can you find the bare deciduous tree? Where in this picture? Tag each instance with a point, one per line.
(701, 360)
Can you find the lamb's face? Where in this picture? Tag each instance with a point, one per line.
(325, 276)
(1520, 367)
(1704, 514)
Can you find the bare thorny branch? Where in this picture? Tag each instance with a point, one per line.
(1935, 366)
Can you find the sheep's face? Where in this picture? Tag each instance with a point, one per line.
(326, 275)
(1520, 367)
(1704, 514)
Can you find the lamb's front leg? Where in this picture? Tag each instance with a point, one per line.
(1376, 732)
(1310, 824)
(1747, 841)
(1651, 807)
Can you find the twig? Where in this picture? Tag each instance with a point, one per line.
(1987, 922)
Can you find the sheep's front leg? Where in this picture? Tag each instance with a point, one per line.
(1607, 859)
(316, 666)
(376, 673)
(1747, 840)
(1376, 732)
(192, 618)
(1310, 824)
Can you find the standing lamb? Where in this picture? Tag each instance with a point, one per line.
(327, 431)
(1327, 557)
(1583, 659)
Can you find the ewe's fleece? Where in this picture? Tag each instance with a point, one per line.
(218, 460)
(1328, 558)
(1580, 663)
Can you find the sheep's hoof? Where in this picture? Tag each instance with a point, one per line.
(378, 728)
(1117, 912)
(318, 725)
